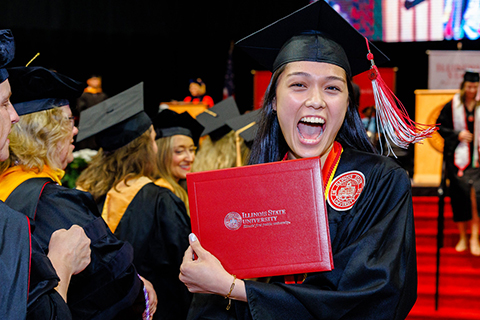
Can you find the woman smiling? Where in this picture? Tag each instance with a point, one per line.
(177, 140)
(121, 179)
(309, 111)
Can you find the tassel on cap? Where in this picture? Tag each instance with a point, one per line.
(392, 118)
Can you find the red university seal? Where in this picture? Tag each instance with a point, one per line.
(345, 190)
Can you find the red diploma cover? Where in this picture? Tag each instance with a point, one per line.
(263, 220)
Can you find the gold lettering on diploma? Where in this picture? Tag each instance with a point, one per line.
(264, 218)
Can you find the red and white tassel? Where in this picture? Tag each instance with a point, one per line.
(391, 116)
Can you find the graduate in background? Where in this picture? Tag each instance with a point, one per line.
(245, 127)
(218, 148)
(308, 111)
(40, 148)
(93, 94)
(198, 91)
(460, 127)
(121, 180)
(177, 138)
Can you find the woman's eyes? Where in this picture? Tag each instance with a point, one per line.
(327, 88)
(334, 88)
(182, 151)
(297, 85)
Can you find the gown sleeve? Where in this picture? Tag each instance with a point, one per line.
(171, 235)
(25, 266)
(374, 259)
(374, 275)
(157, 225)
(446, 130)
(44, 302)
(14, 263)
(109, 284)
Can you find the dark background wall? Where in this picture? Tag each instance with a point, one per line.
(166, 43)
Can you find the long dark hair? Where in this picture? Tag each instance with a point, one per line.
(270, 145)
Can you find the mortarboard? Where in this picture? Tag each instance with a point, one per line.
(7, 52)
(314, 33)
(168, 123)
(318, 33)
(246, 124)
(36, 88)
(215, 119)
(117, 121)
(198, 81)
(471, 76)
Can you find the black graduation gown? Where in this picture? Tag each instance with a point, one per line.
(110, 283)
(24, 265)
(44, 302)
(373, 246)
(459, 187)
(157, 225)
(14, 263)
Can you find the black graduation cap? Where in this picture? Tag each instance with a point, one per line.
(471, 76)
(36, 88)
(168, 123)
(246, 125)
(7, 52)
(117, 121)
(215, 119)
(314, 33)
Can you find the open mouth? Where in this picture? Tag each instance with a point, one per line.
(311, 128)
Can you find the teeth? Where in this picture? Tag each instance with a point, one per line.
(313, 120)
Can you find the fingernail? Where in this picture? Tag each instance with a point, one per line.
(192, 237)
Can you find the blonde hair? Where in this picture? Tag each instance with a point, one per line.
(219, 154)
(34, 140)
(164, 163)
(108, 168)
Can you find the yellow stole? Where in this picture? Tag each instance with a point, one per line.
(118, 199)
(164, 183)
(11, 178)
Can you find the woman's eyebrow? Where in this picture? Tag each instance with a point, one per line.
(299, 73)
(306, 74)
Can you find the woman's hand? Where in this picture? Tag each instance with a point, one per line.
(152, 295)
(69, 252)
(69, 249)
(465, 136)
(206, 274)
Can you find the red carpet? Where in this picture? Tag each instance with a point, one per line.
(459, 294)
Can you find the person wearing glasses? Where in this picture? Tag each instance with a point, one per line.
(34, 284)
(41, 146)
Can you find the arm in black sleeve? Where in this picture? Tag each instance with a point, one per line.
(110, 283)
(375, 265)
(44, 302)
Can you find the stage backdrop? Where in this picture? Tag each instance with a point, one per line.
(446, 68)
(429, 154)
